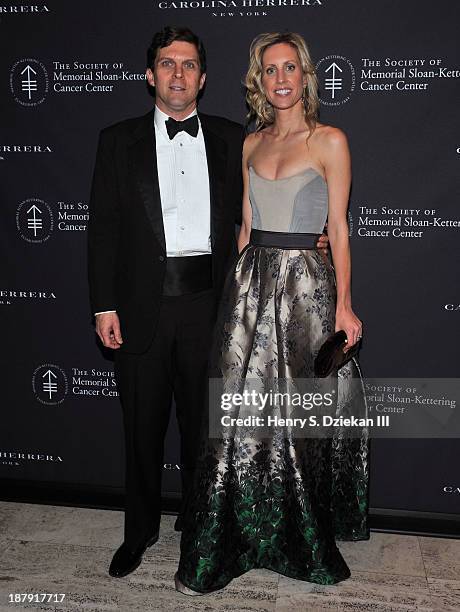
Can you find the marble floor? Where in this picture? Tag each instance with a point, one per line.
(49, 549)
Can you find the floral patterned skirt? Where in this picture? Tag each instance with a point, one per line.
(276, 501)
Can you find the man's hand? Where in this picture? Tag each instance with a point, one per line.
(108, 329)
(323, 242)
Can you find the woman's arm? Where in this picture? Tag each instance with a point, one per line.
(337, 164)
(245, 231)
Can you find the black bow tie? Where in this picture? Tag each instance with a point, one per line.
(190, 126)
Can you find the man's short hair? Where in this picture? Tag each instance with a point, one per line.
(167, 36)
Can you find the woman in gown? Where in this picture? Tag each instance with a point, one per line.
(277, 500)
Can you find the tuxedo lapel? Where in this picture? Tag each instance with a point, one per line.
(216, 155)
(145, 170)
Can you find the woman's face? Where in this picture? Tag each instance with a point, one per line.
(282, 77)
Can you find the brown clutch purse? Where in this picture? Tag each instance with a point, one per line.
(331, 355)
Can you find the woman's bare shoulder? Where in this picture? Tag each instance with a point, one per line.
(330, 136)
(250, 142)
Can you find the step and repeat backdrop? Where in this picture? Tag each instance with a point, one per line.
(389, 77)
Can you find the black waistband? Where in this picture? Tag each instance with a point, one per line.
(187, 275)
(283, 240)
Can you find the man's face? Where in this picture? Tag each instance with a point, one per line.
(177, 78)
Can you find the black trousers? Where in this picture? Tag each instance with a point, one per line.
(174, 365)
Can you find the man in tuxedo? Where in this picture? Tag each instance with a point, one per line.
(165, 197)
(166, 193)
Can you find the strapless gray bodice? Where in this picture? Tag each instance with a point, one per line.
(297, 203)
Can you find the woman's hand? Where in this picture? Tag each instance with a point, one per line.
(346, 319)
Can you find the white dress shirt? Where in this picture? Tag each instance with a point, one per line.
(184, 190)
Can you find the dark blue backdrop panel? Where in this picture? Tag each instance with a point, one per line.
(389, 77)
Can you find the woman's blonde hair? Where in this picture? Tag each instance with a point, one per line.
(259, 107)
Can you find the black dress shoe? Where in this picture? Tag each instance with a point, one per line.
(178, 525)
(125, 561)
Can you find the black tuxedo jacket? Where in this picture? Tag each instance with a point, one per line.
(126, 241)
